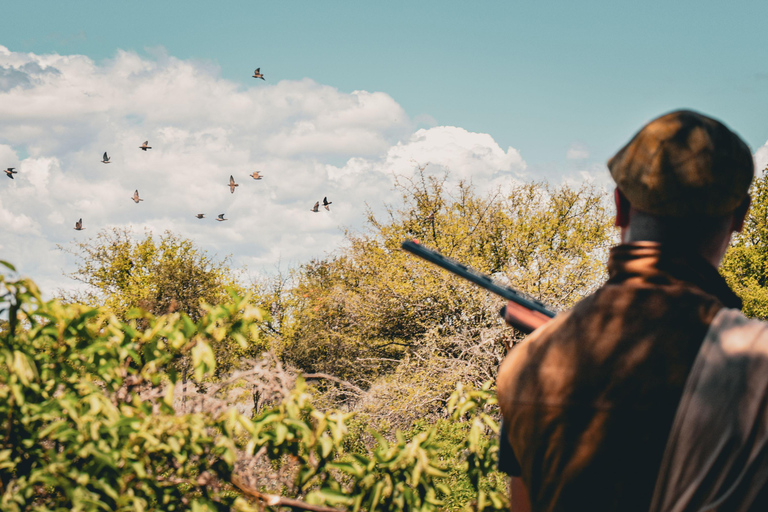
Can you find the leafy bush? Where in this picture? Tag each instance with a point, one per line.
(360, 311)
(475, 478)
(159, 275)
(745, 265)
(77, 433)
(88, 424)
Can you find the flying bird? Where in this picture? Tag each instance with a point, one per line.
(232, 184)
(221, 217)
(10, 172)
(79, 225)
(144, 146)
(105, 159)
(257, 74)
(135, 197)
(256, 175)
(326, 202)
(315, 208)
(200, 215)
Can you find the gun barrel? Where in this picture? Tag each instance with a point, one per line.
(476, 277)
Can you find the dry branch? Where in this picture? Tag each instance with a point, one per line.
(311, 376)
(273, 500)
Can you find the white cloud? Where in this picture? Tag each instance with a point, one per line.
(577, 152)
(761, 158)
(16, 223)
(59, 113)
(468, 156)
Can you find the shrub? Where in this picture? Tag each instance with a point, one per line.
(86, 411)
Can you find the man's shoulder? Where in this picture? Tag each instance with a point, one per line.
(599, 332)
(736, 333)
(525, 361)
(721, 417)
(535, 346)
(735, 346)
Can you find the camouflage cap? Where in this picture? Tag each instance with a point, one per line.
(684, 164)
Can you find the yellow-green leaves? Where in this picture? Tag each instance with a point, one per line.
(203, 359)
(373, 302)
(745, 265)
(24, 368)
(480, 454)
(77, 435)
(88, 427)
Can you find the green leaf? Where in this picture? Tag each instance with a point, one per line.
(281, 432)
(378, 490)
(24, 368)
(326, 446)
(203, 359)
(349, 468)
(333, 497)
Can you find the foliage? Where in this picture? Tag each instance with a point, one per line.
(418, 388)
(352, 314)
(85, 402)
(409, 474)
(474, 480)
(745, 265)
(392, 477)
(160, 276)
(77, 433)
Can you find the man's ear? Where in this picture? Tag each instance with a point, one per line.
(740, 215)
(622, 208)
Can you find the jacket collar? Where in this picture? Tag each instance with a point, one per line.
(649, 261)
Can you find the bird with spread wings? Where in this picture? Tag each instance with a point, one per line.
(232, 184)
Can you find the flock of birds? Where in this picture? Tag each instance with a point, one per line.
(10, 171)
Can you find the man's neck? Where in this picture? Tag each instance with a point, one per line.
(712, 250)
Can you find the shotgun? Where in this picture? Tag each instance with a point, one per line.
(525, 313)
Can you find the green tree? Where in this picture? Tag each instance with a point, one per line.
(159, 275)
(373, 302)
(745, 265)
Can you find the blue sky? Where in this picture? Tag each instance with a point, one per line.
(356, 93)
(538, 76)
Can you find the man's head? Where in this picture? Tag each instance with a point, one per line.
(683, 180)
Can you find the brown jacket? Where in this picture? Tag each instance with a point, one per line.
(588, 400)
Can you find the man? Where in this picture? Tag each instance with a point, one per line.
(589, 400)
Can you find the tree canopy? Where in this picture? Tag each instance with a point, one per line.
(160, 275)
(745, 265)
(371, 300)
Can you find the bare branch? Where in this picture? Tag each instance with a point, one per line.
(310, 376)
(274, 500)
